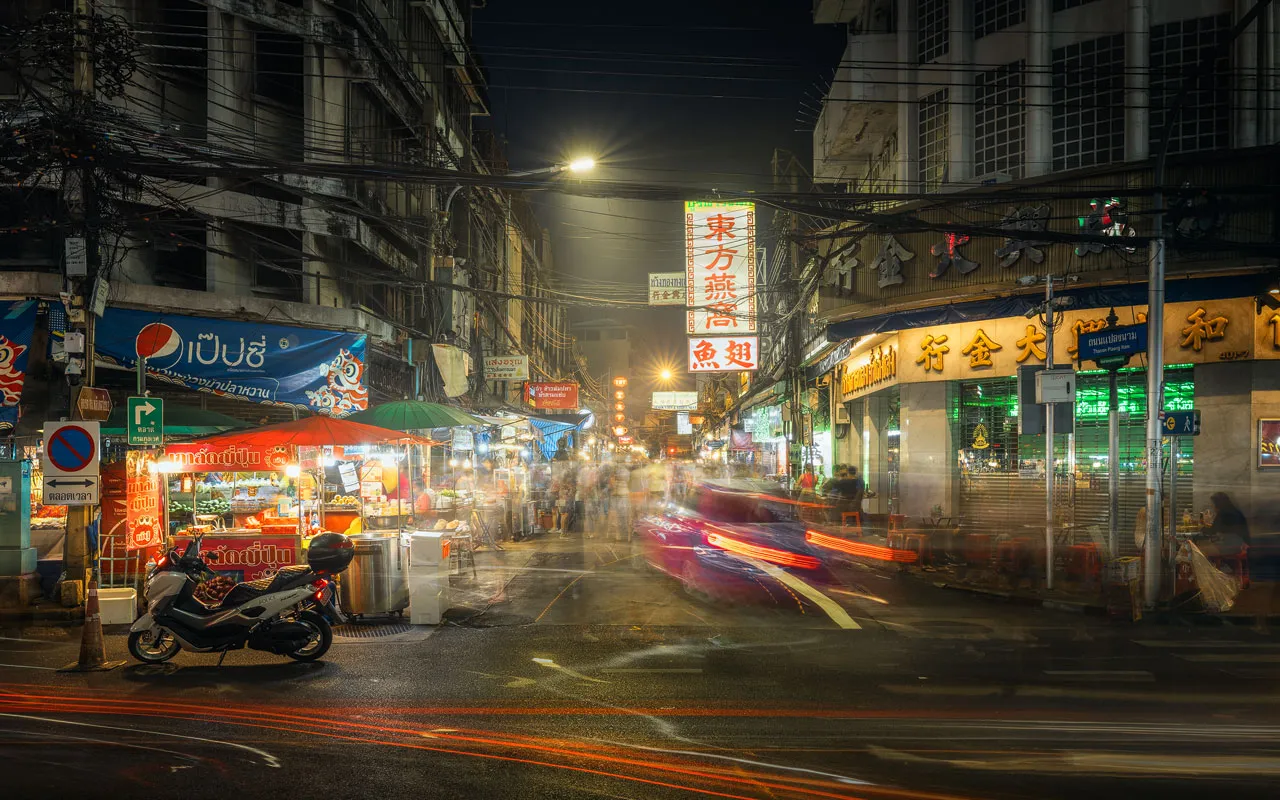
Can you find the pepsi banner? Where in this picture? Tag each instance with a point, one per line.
(315, 370)
(17, 322)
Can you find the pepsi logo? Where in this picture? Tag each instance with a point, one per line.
(160, 344)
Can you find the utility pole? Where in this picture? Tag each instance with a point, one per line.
(1048, 437)
(1113, 452)
(80, 198)
(1151, 563)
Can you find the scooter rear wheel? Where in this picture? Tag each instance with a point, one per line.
(155, 650)
(321, 639)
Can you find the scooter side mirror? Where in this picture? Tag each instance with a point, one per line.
(211, 557)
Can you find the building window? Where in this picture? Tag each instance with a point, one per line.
(999, 119)
(934, 139)
(589, 336)
(932, 29)
(1204, 123)
(990, 16)
(278, 68)
(1088, 103)
(1063, 5)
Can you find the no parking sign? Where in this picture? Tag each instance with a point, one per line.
(70, 463)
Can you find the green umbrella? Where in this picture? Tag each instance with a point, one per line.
(415, 415)
(179, 420)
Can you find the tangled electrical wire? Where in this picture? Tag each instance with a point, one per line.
(45, 49)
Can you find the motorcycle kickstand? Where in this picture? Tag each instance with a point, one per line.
(221, 657)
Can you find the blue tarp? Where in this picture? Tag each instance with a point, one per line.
(1134, 294)
(550, 434)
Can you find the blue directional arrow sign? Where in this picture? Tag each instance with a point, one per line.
(1180, 423)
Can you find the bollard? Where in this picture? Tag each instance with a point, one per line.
(93, 650)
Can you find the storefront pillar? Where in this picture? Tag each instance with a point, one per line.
(929, 474)
(1232, 398)
(873, 447)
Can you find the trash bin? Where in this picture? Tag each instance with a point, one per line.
(376, 581)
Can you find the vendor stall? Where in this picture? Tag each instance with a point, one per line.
(258, 496)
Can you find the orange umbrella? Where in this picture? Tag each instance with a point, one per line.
(314, 432)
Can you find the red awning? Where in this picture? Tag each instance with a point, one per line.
(313, 432)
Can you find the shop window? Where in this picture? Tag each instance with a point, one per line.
(1088, 103)
(1176, 48)
(933, 29)
(1002, 476)
(999, 121)
(990, 16)
(934, 139)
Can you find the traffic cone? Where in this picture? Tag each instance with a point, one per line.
(93, 651)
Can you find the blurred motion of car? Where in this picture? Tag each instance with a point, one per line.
(728, 539)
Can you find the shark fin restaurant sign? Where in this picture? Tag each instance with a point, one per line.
(720, 268)
(313, 370)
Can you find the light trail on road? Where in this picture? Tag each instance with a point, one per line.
(605, 760)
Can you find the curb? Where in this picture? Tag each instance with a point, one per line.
(42, 614)
(1054, 604)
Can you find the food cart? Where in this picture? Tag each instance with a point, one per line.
(249, 495)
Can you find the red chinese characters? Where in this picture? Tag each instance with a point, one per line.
(720, 267)
(723, 353)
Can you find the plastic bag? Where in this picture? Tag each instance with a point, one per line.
(1218, 590)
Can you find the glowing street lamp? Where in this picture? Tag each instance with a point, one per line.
(582, 164)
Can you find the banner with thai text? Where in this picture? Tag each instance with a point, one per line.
(321, 371)
(198, 457)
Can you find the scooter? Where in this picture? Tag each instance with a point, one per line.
(287, 614)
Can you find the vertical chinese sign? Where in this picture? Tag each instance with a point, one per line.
(720, 280)
(720, 268)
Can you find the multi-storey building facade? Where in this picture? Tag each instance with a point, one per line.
(277, 149)
(991, 134)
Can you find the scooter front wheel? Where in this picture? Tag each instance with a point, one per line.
(321, 637)
(153, 649)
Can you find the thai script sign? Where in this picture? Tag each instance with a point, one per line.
(315, 370)
(197, 457)
(552, 395)
(720, 268)
(674, 401)
(506, 368)
(877, 368)
(667, 288)
(249, 557)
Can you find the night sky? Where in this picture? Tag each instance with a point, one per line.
(722, 83)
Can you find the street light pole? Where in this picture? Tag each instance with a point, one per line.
(1151, 563)
(1048, 437)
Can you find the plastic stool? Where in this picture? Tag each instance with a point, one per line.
(896, 521)
(919, 543)
(856, 516)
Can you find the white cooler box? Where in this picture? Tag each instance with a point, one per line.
(118, 606)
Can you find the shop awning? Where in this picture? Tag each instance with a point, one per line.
(550, 432)
(415, 415)
(313, 432)
(1176, 291)
(179, 421)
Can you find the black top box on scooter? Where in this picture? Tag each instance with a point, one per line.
(330, 553)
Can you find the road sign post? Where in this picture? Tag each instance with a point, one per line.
(145, 424)
(70, 463)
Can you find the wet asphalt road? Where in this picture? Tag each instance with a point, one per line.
(577, 672)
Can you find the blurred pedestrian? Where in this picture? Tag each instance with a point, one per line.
(1229, 524)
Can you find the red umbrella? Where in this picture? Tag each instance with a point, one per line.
(314, 432)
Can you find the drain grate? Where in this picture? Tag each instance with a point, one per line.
(372, 631)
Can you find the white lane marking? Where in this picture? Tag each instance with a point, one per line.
(20, 639)
(1102, 674)
(1215, 644)
(1263, 658)
(838, 615)
(635, 670)
(271, 761)
(551, 664)
(27, 666)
